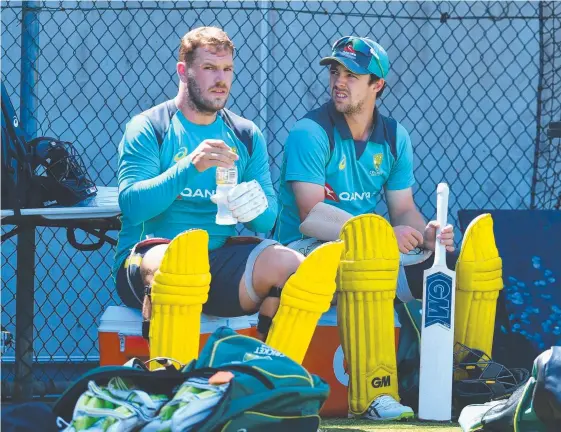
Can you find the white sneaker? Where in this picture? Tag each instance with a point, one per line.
(386, 408)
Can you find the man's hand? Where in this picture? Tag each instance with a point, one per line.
(446, 236)
(408, 238)
(213, 153)
(247, 201)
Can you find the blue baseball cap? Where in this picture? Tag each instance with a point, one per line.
(360, 55)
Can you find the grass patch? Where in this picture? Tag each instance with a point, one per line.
(354, 425)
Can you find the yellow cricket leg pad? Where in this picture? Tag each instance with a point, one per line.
(306, 295)
(179, 290)
(366, 289)
(479, 280)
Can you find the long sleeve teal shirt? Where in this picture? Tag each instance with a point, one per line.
(161, 194)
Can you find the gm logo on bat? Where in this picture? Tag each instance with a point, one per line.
(439, 299)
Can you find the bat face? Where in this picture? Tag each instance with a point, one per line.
(437, 331)
(438, 304)
(437, 345)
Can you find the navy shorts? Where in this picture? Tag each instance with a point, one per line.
(228, 264)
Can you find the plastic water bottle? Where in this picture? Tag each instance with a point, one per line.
(226, 180)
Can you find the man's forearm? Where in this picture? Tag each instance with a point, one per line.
(266, 220)
(146, 199)
(324, 222)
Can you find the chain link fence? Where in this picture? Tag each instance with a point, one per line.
(475, 83)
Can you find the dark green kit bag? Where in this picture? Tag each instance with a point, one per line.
(267, 390)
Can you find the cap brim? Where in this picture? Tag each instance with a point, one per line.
(346, 62)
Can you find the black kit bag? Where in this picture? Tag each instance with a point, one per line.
(41, 172)
(534, 407)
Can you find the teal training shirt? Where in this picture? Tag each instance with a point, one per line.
(161, 194)
(353, 173)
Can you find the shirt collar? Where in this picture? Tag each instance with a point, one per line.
(377, 135)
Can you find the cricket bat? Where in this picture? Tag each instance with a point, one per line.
(437, 334)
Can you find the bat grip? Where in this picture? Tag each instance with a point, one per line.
(442, 193)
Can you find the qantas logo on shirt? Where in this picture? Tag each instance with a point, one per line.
(195, 193)
(331, 195)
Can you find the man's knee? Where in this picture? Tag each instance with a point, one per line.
(276, 266)
(273, 267)
(151, 262)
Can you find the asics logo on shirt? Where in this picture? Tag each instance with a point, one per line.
(343, 163)
(180, 154)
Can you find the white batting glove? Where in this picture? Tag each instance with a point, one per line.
(247, 201)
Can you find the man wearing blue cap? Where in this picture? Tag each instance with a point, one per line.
(337, 160)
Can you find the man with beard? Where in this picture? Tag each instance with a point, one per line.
(172, 259)
(337, 160)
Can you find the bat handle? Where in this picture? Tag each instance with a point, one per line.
(442, 192)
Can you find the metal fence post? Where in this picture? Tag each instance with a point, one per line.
(29, 70)
(545, 193)
(25, 300)
(539, 102)
(264, 69)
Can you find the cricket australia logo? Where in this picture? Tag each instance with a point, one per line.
(438, 302)
(377, 160)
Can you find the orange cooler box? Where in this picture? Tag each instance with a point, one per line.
(120, 333)
(120, 338)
